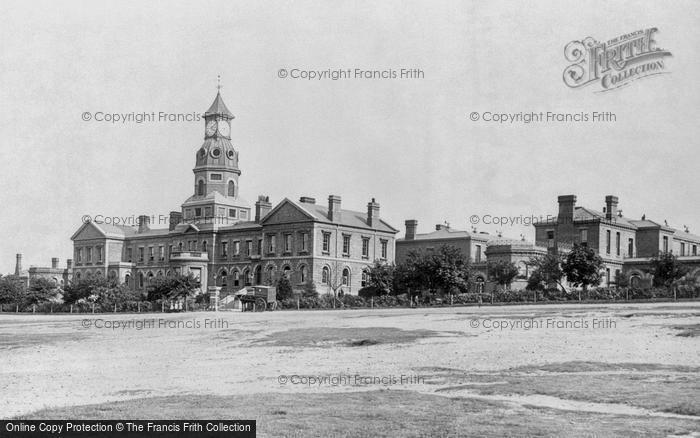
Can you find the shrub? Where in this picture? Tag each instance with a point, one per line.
(369, 291)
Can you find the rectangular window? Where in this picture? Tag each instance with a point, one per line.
(222, 212)
(584, 235)
(236, 247)
(161, 253)
(249, 248)
(617, 243)
(607, 241)
(224, 248)
(128, 255)
(231, 212)
(607, 276)
(215, 177)
(271, 244)
(346, 245)
(665, 244)
(287, 243)
(170, 251)
(630, 248)
(150, 253)
(365, 247)
(244, 214)
(682, 248)
(384, 245)
(99, 253)
(189, 214)
(326, 242)
(141, 252)
(198, 212)
(207, 211)
(477, 257)
(304, 242)
(79, 255)
(260, 242)
(89, 255)
(695, 250)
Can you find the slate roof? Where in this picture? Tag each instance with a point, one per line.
(218, 107)
(348, 218)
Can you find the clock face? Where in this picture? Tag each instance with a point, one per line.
(224, 128)
(211, 128)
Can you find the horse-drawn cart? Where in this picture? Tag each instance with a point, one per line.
(258, 298)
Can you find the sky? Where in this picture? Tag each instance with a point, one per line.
(409, 143)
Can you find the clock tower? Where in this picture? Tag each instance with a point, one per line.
(215, 196)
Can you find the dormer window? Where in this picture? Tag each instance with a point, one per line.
(216, 152)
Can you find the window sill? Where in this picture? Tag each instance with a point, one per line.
(347, 256)
(325, 253)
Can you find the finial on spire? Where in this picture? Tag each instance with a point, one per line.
(218, 82)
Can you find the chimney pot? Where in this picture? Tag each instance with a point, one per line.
(69, 264)
(144, 223)
(610, 207)
(334, 208)
(54, 263)
(411, 228)
(262, 207)
(307, 200)
(373, 213)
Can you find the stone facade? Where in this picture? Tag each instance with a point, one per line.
(218, 237)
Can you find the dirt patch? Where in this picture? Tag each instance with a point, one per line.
(350, 336)
(688, 331)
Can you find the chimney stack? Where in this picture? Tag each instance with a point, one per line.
(610, 207)
(174, 219)
(334, 208)
(144, 223)
(69, 264)
(565, 231)
(18, 265)
(373, 213)
(54, 263)
(262, 207)
(411, 228)
(307, 200)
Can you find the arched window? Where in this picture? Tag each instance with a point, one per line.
(365, 278)
(236, 279)
(150, 278)
(140, 279)
(258, 275)
(179, 246)
(346, 277)
(200, 188)
(204, 246)
(77, 276)
(325, 275)
(270, 274)
(224, 276)
(247, 278)
(231, 188)
(127, 280)
(287, 272)
(302, 274)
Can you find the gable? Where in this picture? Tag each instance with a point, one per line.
(88, 231)
(287, 212)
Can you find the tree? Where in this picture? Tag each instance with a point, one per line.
(284, 288)
(172, 288)
(667, 270)
(582, 267)
(446, 270)
(546, 270)
(40, 290)
(381, 277)
(502, 272)
(86, 289)
(310, 290)
(11, 290)
(621, 280)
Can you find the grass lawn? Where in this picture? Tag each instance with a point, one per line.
(381, 413)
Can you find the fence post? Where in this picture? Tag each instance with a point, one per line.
(33, 308)
(115, 307)
(138, 306)
(451, 299)
(372, 303)
(162, 307)
(51, 311)
(185, 304)
(93, 307)
(71, 308)
(298, 305)
(16, 308)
